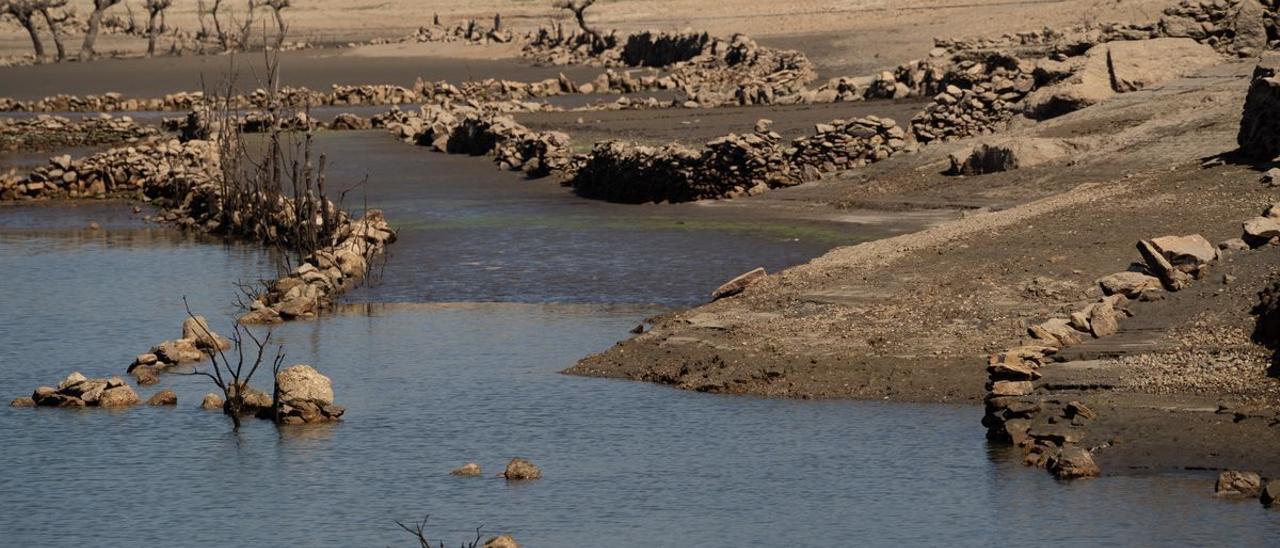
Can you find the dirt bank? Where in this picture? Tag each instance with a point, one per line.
(914, 317)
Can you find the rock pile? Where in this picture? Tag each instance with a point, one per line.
(305, 396)
(78, 391)
(976, 96)
(469, 32)
(325, 274)
(197, 343)
(152, 169)
(46, 131)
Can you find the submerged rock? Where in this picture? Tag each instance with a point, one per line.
(504, 541)
(211, 402)
(468, 469)
(1074, 462)
(163, 397)
(1232, 483)
(521, 469)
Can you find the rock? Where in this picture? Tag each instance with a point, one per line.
(1172, 278)
(1076, 409)
(119, 396)
(1057, 332)
(1129, 284)
(180, 351)
(469, 469)
(1074, 462)
(1250, 29)
(1011, 154)
(1088, 85)
(1186, 253)
(1271, 177)
(521, 469)
(261, 316)
(504, 541)
(1103, 321)
(1232, 483)
(163, 397)
(1139, 64)
(1009, 370)
(302, 383)
(1011, 388)
(211, 402)
(738, 284)
(74, 378)
(146, 359)
(1270, 496)
(196, 328)
(1259, 231)
(23, 402)
(1234, 244)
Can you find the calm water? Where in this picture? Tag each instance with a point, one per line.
(454, 358)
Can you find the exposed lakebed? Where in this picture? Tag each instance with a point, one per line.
(496, 284)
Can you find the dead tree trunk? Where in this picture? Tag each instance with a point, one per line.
(579, 9)
(24, 12)
(277, 6)
(155, 13)
(95, 24)
(55, 21)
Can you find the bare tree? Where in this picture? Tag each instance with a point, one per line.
(579, 9)
(281, 28)
(55, 16)
(246, 26)
(95, 23)
(233, 376)
(155, 22)
(419, 532)
(24, 12)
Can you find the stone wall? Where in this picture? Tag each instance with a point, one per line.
(44, 131)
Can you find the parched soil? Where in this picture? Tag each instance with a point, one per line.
(915, 316)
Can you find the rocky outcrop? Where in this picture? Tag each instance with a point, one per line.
(78, 391)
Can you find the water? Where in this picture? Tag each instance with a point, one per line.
(460, 363)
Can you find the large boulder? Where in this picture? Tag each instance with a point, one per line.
(1088, 85)
(302, 383)
(1139, 64)
(1119, 67)
(119, 396)
(1011, 154)
(1129, 284)
(1250, 26)
(1186, 253)
(196, 329)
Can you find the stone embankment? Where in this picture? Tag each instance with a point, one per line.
(734, 165)
(1028, 413)
(44, 131)
(184, 179)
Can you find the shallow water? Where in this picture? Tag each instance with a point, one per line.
(431, 385)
